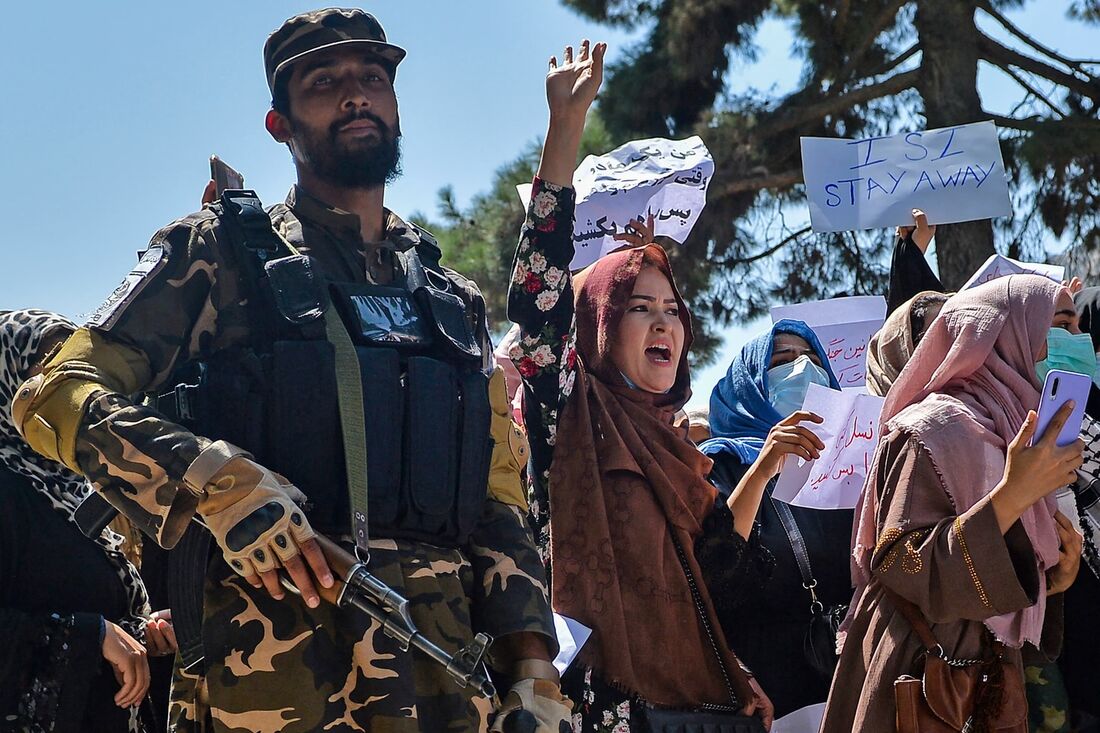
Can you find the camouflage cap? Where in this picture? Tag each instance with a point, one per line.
(320, 29)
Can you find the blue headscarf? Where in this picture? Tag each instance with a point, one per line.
(740, 414)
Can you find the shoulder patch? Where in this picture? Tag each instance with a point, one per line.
(151, 262)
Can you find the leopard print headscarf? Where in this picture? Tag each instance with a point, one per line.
(21, 333)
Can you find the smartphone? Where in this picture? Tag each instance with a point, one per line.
(1062, 387)
(224, 176)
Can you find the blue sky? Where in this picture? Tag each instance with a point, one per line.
(112, 111)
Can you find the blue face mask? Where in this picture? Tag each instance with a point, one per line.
(1070, 352)
(788, 384)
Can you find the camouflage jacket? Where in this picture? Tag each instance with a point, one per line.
(185, 301)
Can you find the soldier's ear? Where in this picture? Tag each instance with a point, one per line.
(278, 126)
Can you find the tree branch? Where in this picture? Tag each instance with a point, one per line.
(1027, 124)
(1002, 56)
(746, 185)
(766, 253)
(785, 121)
(1049, 52)
(1034, 124)
(896, 62)
(1033, 91)
(882, 22)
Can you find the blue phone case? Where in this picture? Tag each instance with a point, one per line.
(1062, 387)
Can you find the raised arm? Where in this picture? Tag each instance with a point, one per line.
(540, 297)
(910, 272)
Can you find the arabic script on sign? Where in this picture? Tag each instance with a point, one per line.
(999, 266)
(845, 327)
(667, 179)
(850, 432)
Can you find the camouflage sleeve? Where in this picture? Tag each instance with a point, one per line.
(510, 593)
(81, 411)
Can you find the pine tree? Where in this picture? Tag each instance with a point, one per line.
(870, 67)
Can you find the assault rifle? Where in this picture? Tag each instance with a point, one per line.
(356, 587)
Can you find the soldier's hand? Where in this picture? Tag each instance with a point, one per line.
(534, 706)
(252, 515)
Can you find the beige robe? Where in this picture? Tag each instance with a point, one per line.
(957, 568)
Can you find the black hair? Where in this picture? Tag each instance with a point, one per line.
(919, 311)
(280, 97)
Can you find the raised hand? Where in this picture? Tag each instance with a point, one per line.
(571, 86)
(637, 233)
(922, 232)
(1074, 286)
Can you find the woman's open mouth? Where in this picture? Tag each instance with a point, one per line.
(660, 354)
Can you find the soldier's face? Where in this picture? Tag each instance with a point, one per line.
(343, 123)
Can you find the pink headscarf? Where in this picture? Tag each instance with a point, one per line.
(969, 384)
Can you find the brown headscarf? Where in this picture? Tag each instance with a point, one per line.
(623, 483)
(893, 345)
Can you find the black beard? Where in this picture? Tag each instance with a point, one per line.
(359, 164)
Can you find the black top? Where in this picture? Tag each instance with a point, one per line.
(55, 586)
(910, 274)
(768, 628)
(1081, 637)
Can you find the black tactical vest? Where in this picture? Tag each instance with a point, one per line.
(425, 392)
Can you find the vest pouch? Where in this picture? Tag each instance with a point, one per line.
(431, 428)
(305, 443)
(382, 316)
(383, 415)
(448, 314)
(476, 452)
(234, 395)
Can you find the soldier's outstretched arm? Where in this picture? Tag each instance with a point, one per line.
(79, 411)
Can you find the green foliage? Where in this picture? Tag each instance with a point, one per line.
(871, 67)
(480, 240)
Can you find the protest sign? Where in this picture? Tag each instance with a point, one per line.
(803, 720)
(999, 266)
(845, 327)
(850, 433)
(953, 174)
(665, 178)
(572, 635)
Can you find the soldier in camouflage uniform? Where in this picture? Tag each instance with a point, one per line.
(278, 662)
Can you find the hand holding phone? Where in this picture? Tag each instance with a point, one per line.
(224, 176)
(1062, 387)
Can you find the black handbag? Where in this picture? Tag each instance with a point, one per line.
(819, 644)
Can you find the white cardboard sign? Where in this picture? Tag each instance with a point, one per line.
(952, 173)
(999, 266)
(665, 178)
(845, 327)
(850, 432)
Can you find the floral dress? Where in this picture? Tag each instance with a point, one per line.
(540, 300)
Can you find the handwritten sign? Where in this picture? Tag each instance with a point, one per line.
(665, 178)
(845, 327)
(999, 266)
(952, 173)
(850, 434)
